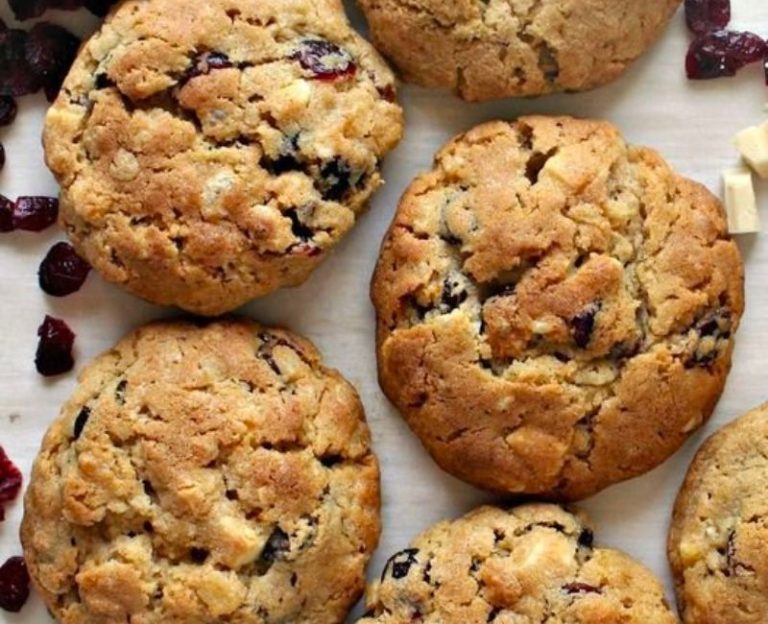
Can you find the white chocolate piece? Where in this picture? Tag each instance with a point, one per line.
(752, 143)
(740, 202)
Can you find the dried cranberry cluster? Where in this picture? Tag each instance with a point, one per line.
(14, 579)
(30, 61)
(717, 51)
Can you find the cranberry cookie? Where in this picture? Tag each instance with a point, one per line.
(204, 474)
(556, 309)
(718, 541)
(532, 564)
(487, 49)
(213, 153)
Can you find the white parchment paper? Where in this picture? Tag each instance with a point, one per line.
(691, 124)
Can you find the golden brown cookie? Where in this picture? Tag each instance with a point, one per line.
(204, 474)
(529, 565)
(718, 541)
(487, 49)
(556, 309)
(213, 151)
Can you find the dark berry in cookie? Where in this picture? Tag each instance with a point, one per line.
(325, 60)
(14, 584)
(62, 271)
(399, 565)
(54, 350)
(335, 179)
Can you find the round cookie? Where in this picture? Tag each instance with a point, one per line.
(204, 474)
(487, 49)
(531, 564)
(555, 308)
(718, 540)
(212, 155)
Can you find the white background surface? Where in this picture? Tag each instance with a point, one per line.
(691, 124)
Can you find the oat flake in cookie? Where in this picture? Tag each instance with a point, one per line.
(204, 474)
(214, 151)
(532, 564)
(556, 309)
(718, 541)
(487, 49)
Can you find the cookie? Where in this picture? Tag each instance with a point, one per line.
(555, 309)
(488, 49)
(718, 540)
(204, 474)
(531, 564)
(212, 155)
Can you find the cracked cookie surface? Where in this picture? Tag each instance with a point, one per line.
(718, 540)
(555, 309)
(530, 565)
(201, 475)
(487, 49)
(212, 155)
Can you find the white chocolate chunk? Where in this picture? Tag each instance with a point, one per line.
(740, 202)
(752, 143)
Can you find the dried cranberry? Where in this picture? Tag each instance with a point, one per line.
(335, 179)
(8, 110)
(62, 271)
(208, 62)
(54, 351)
(324, 59)
(705, 15)
(16, 76)
(10, 481)
(34, 214)
(49, 52)
(6, 214)
(723, 53)
(14, 584)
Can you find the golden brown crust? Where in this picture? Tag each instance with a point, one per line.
(201, 180)
(204, 474)
(718, 539)
(555, 309)
(533, 564)
(487, 49)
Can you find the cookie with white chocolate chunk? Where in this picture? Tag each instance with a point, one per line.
(212, 152)
(556, 309)
(527, 565)
(204, 473)
(718, 540)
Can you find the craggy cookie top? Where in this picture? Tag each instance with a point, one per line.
(213, 153)
(718, 541)
(486, 49)
(555, 309)
(204, 474)
(530, 565)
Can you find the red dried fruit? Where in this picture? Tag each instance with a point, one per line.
(14, 584)
(208, 62)
(705, 15)
(324, 59)
(49, 52)
(62, 271)
(723, 53)
(34, 214)
(54, 351)
(10, 481)
(8, 110)
(16, 77)
(6, 214)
